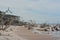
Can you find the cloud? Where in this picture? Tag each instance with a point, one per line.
(44, 5)
(39, 10)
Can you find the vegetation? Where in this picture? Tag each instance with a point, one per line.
(6, 20)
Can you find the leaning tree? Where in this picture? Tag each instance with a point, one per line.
(3, 22)
(8, 21)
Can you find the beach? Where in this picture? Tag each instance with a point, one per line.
(22, 33)
(29, 35)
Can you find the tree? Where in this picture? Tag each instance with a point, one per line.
(8, 23)
(1, 19)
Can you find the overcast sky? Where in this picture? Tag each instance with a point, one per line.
(38, 10)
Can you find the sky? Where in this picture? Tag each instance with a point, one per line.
(40, 11)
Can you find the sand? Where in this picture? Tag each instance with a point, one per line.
(22, 33)
(27, 34)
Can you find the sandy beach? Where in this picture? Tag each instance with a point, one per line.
(27, 34)
(22, 33)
